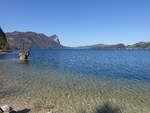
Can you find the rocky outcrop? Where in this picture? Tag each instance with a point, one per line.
(55, 38)
(3, 41)
(33, 40)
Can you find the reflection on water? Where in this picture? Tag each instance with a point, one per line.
(78, 81)
(24, 61)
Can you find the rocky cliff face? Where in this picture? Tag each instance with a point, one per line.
(33, 40)
(55, 38)
(3, 41)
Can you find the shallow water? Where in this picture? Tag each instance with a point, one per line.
(77, 81)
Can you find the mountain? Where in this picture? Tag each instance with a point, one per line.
(32, 40)
(38, 40)
(3, 41)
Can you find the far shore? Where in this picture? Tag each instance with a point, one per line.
(4, 51)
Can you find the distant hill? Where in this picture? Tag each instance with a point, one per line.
(90, 46)
(115, 46)
(3, 41)
(140, 45)
(33, 40)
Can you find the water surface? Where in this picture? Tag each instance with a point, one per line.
(78, 80)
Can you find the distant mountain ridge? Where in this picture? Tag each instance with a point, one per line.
(89, 46)
(40, 40)
(33, 40)
(139, 45)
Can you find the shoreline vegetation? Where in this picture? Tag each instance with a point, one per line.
(4, 46)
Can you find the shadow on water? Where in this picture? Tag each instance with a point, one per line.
(106, 108)
(21, 111)
(23, 61)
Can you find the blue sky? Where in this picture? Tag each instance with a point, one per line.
(80, 22)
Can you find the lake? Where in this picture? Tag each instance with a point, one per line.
(77, 81)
